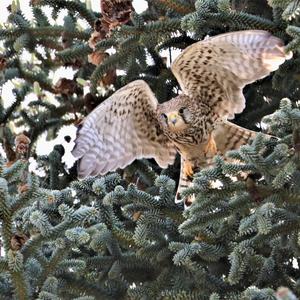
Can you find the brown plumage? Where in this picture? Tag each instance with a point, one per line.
(131, 124)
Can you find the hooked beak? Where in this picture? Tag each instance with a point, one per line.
(173, 117)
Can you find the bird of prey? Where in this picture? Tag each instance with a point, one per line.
(131, 124)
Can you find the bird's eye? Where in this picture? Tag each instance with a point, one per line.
(164, 116)
(181, 110)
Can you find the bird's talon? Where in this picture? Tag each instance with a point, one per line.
(211, 147)
(188, 169)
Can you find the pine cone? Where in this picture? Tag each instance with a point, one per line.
(65, 86)
(3, 63)
(116, 12)
(22, 143)
(96, 37)
(109, 78)
(23, 188)
(97, 57)
(17, 241)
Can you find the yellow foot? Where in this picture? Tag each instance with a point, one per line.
(188, 169)
(211, 147)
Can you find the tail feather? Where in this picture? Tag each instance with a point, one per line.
(229, 136)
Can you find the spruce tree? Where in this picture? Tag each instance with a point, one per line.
(122, 236)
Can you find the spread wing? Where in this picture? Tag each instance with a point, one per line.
(216, 70)
(121, 129)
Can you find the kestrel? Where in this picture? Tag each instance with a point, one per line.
(212, 73)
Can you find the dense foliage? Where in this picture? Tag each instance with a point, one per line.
(121, 236)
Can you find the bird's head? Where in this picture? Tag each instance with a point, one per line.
(176, 114)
